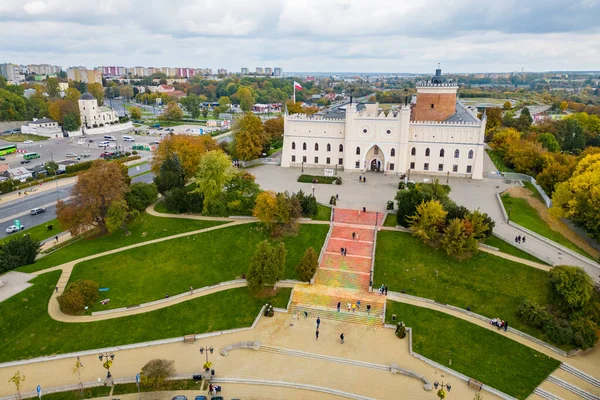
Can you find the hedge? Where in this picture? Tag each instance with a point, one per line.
(82, 166)
(319, 179)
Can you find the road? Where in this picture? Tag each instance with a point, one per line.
(19, 209)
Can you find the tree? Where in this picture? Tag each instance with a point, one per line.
(572, 286)
(563, 106)
(478, 224)
(494, 118)
(274, 128)
(267, 265)
(170, 175)
(428, 221)
(526, 157)
(117, 215)
(77, 296)
(524, 121)
(155, 373)
(135, 113)
(249, 137)
(204, 113)
(278, 212)
(188, 149)
(95, 190)
(578, 198)
(408, 201)
(549, 142)
(224, 101)
(457, 240)
(71, 122)
(307, 267)
(18, 379)
(72, 94)
(214, 172)
(60, 108)
(172, 112)
(12, 106)
(192, 105)
(245, 97)
(96, 90)
(52, 88)
(126, 91)
(507, 105)
(141, 195)
(18, 251)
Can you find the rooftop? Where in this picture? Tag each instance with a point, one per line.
(463, 114)
(87, 96)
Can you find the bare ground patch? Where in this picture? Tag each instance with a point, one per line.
(554, 223)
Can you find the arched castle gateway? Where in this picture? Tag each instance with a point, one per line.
(435, 135)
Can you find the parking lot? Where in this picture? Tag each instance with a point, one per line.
(57, 149)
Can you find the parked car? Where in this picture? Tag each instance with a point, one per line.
(28, 142)
(13, 229)
(25, 161)
(180, 397)
(91, 141)
(37, 211)
(2, 158)
(71, 155)
(86, 154)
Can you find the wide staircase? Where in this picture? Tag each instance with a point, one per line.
(344, 278)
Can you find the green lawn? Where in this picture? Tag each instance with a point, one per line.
(510, 249)
(145, 227)
(323, 213)
(180, 384)
(160, 208)
(149, 273)
(39, 232)
(88, 393)
(476, 352)
(26, 329)
(390, 220)
(21, 137)
(533, 191)
(523, 214)
(490, 285)
(498, 161)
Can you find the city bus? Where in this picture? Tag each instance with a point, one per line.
(30, 156)
(4, 150)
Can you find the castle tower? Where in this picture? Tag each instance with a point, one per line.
(436, 99)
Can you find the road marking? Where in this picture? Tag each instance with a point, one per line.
(14, 216)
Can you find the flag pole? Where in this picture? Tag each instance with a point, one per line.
(294, 92)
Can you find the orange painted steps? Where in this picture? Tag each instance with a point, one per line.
(342, 279)
(345, 232)
(357, 217)
(354, 248)
(348, 263)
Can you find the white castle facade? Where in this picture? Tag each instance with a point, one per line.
(438, 136)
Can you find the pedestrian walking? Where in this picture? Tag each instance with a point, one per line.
(191, 290)
(56, 289)
(360, 178)
(342, 338)
(358, 304)
(386, 288)
(341, 250)
(345, 251)
(357, 237)
(523, 239)
(318, 322)
(382, 288)
(516, 239)
(349, 306)
(305, 314)
(353, 307)
(56, 238)
(505, 325)
(339, 305)
(365, 179)
(337, 196)
(317, 334)
(368, 309)
(353, 236)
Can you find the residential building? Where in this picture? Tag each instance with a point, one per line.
(277, 71)
(82, 74)
(19, 174)
(42, 69)
(114, 71)
(268, 71)
(185, 72)
(222, 71)
(139, 72)
(438, 136)
(92, 115)
(245, 71)
(260, 71)
(11, 72)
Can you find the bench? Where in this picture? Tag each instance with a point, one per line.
(475, 383)
(189, 338)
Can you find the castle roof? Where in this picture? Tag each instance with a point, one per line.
(87, 96)
(463, 114)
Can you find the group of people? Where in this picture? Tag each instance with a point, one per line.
(319, 324)
(355, 236)
(214, 389)
(383, 289)
(352, 307)
(498, 323)
(519, 239)
(362, 179)
(343, 251)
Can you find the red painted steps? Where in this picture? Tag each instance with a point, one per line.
(345, 232)
(354, 248)
(357, 217)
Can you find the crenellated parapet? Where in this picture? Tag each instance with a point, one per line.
(443, 123)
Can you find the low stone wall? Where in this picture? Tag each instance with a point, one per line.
(241, 345)
(108, 129)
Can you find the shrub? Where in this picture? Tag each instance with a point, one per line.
(82, 166)
(308, 203)
(19, 251)
(179, 200)
(77, 296)
(318, 179)
(572, 286)
(308, 265)
(584, 332)
(141, 195)
(559, 331)
(532, 313)
(134, 152)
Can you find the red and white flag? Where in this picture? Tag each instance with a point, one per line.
(297, 86)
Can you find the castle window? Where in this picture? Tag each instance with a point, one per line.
(293, 145)
(388, 131)
(365, 130)
(340, 161)
(393, 153)
(455, 168)
(392, 166)
(413, 152)
(341, 147)
(304, 146)
(303, 158)
(328, 160)
(456, 153)
(293, 158)
(427, 152)
(358, 151)
(440, 167)
(316, 160)
(357, 164)
(328, 147)
(432, 106)
(412, 165)
(442, 153)
(469, 169)
(470, 154)
(426, 166)
(316, 146)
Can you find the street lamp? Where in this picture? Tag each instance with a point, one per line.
(206, 349)
(442, 393)
(108, 363)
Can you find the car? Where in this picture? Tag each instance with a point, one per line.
(80, 141)
(2, 158)
(25, 161)
(201, 398)
(13, 229)
(71, 155)
(180, 397)
(37, 211)
(91, 141)
(86, 155)
(28, 142)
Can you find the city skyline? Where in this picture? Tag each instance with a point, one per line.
(306, 35)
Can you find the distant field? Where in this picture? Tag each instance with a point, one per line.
(485, 100)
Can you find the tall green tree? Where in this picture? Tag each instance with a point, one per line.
(170, 175)
(267, 265)
(96, 90)
(457, 240)
(572, 285)
(549, 142)
(52, 88)
(428, 222)
(192, 105)
(12, 106)
(307, 267)
(249, 137)
(171, 113)
(215, 171)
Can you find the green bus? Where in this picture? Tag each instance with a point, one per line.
(4, 150)
(30, 156)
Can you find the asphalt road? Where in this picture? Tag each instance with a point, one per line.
(20, 208)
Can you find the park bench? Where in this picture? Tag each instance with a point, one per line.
(189, 338)
(475, 383)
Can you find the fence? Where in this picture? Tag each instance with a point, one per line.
(522, 177)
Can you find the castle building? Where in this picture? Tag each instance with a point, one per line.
(438, 135)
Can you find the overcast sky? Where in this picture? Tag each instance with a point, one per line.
(305, 35)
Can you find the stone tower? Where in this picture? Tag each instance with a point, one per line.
(436, 99)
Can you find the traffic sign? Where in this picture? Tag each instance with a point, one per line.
(18, 223)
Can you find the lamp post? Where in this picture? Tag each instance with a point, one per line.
(442, 392)
(206, 349)
(302, 166)
(108, 357)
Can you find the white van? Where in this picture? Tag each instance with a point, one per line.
(110, 138)
(106, 143)
(128, 139)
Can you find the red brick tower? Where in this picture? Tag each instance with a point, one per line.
(436, 99)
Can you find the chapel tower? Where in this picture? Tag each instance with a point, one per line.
(436, 99)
